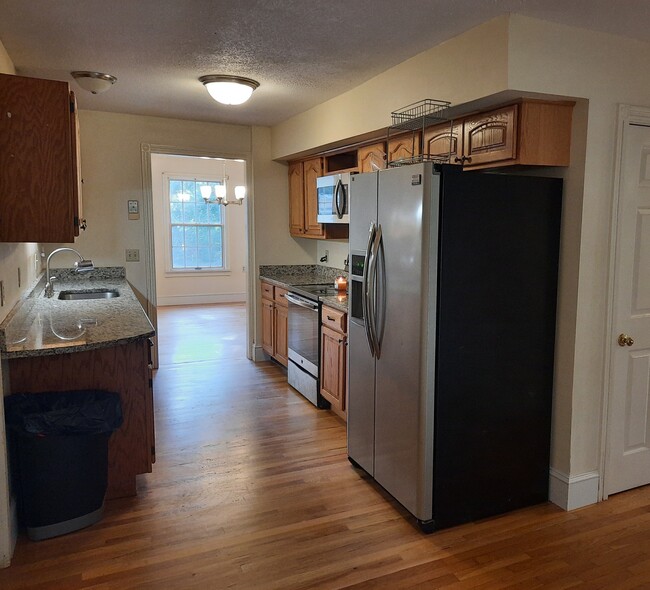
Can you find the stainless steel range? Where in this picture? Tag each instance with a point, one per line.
(304, 341)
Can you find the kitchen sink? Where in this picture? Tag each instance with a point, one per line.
(96, 294)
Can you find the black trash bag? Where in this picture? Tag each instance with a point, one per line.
(63, 412)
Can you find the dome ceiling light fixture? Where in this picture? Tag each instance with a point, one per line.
(94, 82)
(229, 89)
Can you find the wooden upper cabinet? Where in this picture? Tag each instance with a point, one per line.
(312, 169)
(296, 200)
(372, 157)
(444, 141)
(545, 133)
(529, 133)
(80, 222)
(490, 137)
(404, 146)
(39, 183)
(303, 203)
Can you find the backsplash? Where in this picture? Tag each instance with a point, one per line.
(327, 273)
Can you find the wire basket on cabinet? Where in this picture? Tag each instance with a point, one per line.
(415, 118)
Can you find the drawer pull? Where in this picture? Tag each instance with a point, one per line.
(330, 318)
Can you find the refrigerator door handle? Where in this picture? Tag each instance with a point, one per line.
(365, 289)
(372, 288)
(380, 280)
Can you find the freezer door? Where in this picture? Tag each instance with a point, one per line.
(363, 208)
(408, 216)
(361, 399)
(361, 363)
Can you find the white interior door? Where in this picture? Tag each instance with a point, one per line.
(628, 430)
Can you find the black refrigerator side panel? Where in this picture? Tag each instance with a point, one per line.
(499, 244)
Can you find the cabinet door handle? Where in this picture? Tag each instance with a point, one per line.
(458, 160)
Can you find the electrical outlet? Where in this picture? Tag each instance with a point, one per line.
(132, 255)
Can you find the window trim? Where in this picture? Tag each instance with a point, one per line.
(190, 272)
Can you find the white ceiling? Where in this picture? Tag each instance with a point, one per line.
(301, 51)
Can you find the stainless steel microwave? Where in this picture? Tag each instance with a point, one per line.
(333, 198)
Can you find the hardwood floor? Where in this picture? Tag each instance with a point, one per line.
(252, 490)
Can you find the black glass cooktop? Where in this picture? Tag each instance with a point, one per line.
(315, 291)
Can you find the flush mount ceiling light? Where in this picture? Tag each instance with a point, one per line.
(94, 82)
(229, 89)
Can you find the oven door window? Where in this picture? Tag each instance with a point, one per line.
(303, 332)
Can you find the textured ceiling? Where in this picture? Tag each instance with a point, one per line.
(301, 51)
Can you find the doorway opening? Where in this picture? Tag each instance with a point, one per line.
(198, 254)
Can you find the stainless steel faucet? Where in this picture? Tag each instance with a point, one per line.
(82, 265)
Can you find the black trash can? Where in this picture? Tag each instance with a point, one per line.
(59, 454)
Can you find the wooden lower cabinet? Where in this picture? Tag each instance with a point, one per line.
(280, 322)
(274, 322)
(333, 365)
(267, 326)
(123, 369)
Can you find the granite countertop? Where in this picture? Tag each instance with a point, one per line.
(40, 326)
(287, 276)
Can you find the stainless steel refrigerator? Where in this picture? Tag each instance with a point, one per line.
(451, 337)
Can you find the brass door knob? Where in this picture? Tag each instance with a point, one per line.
(625, 340)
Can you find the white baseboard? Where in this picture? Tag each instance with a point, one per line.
(259, 354)
(201, 299)
(574, 492)
(7, 552)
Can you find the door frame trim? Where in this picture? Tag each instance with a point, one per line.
(627, 115)
(146, 149)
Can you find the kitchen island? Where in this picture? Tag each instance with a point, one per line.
(52, 344)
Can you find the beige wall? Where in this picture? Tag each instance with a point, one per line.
(112, 172)
(214, 287)
(6, 65)
(273, 244)
(467, 67)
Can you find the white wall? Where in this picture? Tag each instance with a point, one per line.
(216, 287)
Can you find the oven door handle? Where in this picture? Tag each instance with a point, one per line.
(301, 302)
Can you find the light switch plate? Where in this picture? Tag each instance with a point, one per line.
(134, 210)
